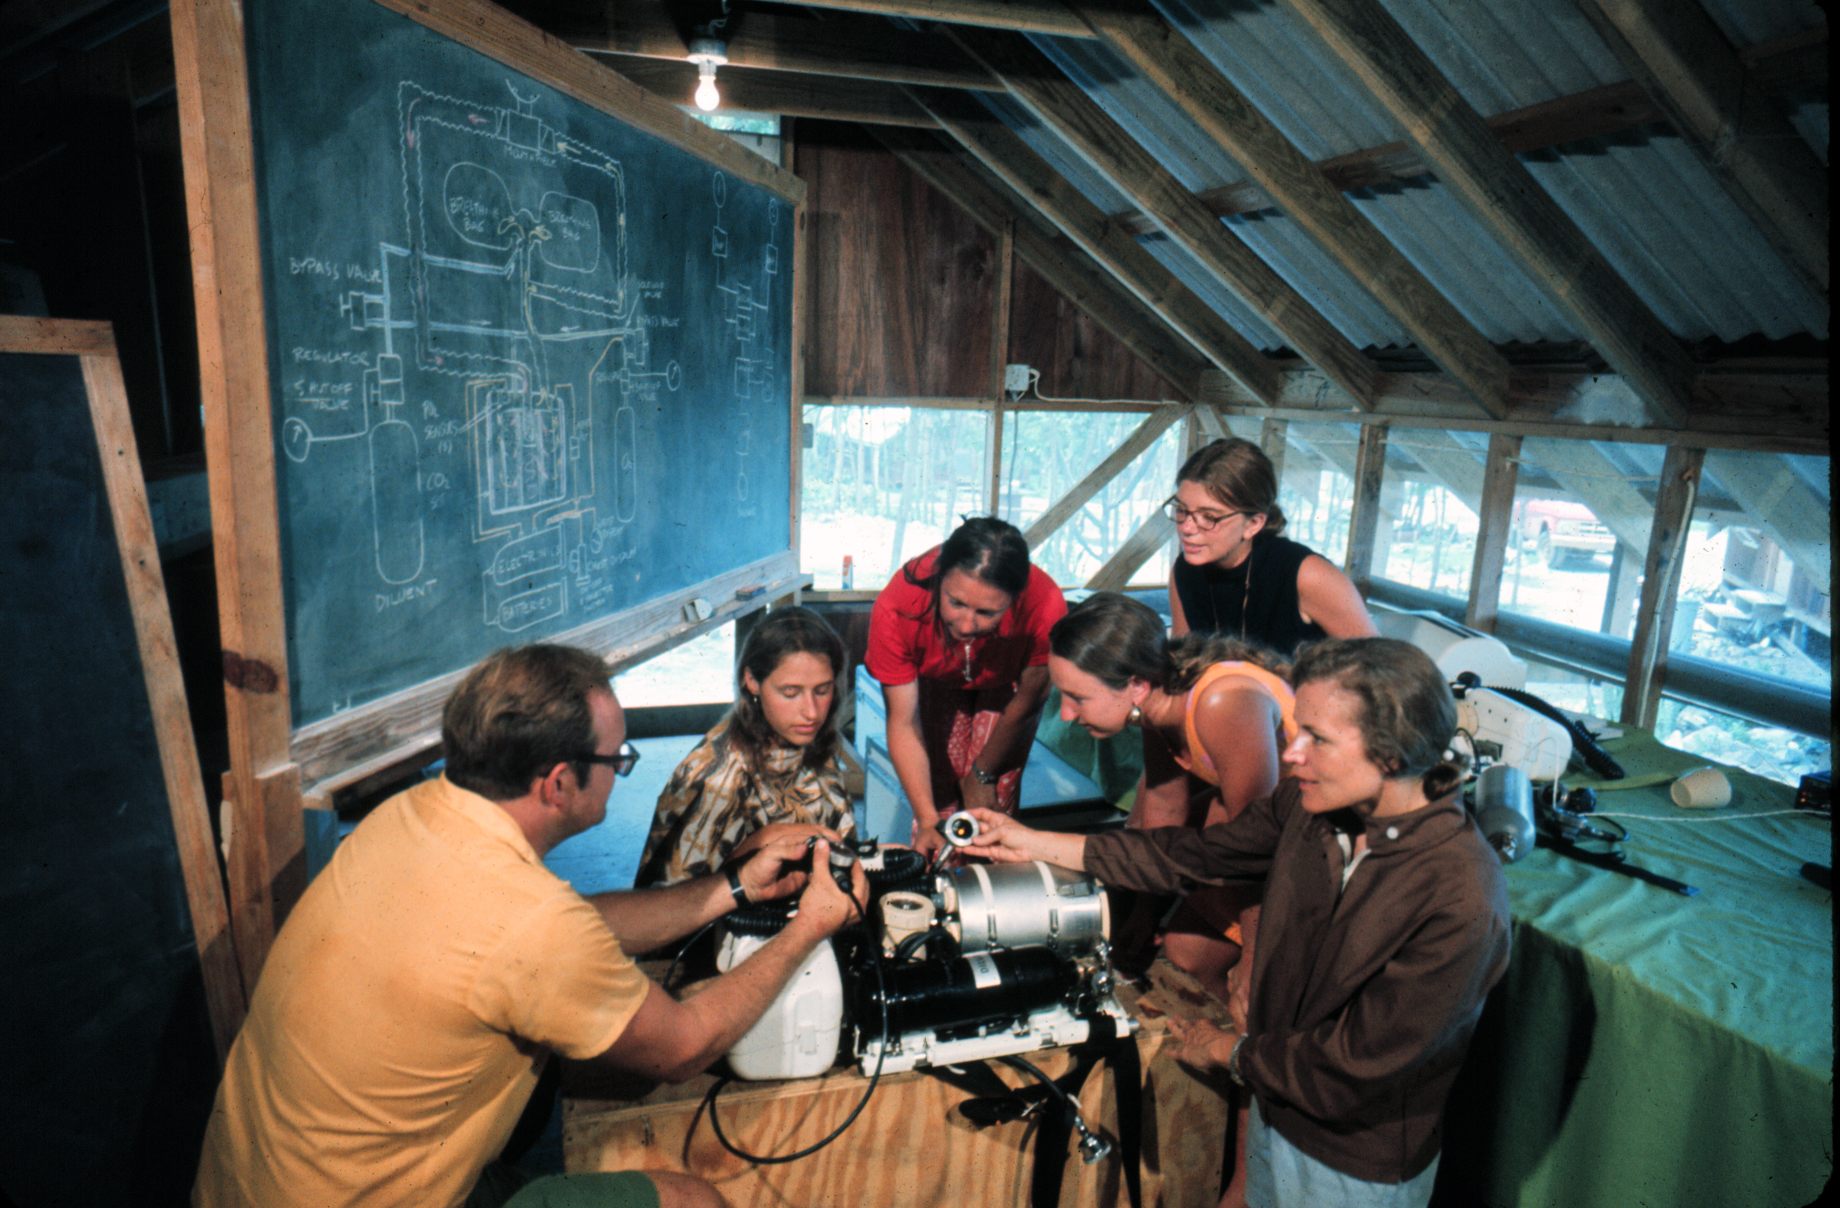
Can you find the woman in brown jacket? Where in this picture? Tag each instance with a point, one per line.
(1385, 925)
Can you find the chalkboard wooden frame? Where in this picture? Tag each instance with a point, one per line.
(274, 768)
(93, 344)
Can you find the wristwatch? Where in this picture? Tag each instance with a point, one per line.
(983, 777)
(735, 887)
(1233, 1061)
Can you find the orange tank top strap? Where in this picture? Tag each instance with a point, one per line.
(1274, 686)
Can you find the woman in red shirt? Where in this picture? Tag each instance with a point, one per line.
(959, 641)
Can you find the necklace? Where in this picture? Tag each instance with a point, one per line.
(1245, 604)
(969, 673)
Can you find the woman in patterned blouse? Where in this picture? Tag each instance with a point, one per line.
(772, 761)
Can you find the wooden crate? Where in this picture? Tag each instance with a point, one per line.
(909, 1148)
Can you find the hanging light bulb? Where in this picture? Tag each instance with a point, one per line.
(708, 54)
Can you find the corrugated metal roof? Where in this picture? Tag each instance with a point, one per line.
(1648, 203)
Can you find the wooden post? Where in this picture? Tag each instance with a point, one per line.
(1621, 591)
(999, 356)
(1667, 543)
(1363, 523)
(219, 156)
(1274, 437)
(1497, 507)
(1116, 574)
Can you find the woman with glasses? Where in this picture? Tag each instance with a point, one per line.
(1238, 574)
(959, 642)
(769, 768)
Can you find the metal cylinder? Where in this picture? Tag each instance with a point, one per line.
(1022, 905)
(1504, 811)
(978, 988)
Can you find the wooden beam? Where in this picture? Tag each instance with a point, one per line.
(1769, 410)
(181, 776)
(1150, 536)
(1682, 59)
(1782, 506)
(1021, 16)
(1496, 530)
(233, 381)
(1620, 594)
(1503, 196)
(999, 356)
(1667, 543)
(789, 94)
(863, 48)
(1062, 265)
(1187, 79)
(1274, 440)
(1066, 109)
(1364, 520)
(1005, 155)
(1081, 493)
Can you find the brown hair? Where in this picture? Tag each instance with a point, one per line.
(1237, 473)
(518, 714)
(1408, 714)
(785, 631)
(1116, 639)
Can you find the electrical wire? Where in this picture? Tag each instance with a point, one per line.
(881, 1054)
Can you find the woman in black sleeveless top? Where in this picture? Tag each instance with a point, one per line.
(1238, 574)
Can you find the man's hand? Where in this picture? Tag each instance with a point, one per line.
(1201, 1045)
(778, 868)
(825, 909)
(975, 794)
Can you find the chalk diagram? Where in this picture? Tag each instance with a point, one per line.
(523, 333)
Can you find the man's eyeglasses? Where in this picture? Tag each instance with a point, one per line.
(622, 763)
(1206, 522)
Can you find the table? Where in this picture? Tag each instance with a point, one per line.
(909, 1149)
(1649, 1048)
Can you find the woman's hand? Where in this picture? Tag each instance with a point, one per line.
(926, 838)
(1004, 840)
(1200, 1044)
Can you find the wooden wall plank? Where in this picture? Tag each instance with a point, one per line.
(1076, 355)
(904, 276)
(999, 353)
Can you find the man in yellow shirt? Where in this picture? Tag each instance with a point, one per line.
(419, 986)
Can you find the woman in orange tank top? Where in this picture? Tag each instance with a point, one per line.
(1214, 713)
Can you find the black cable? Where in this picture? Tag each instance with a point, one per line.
(1029, 1067)
(682, 948)
(881, 1054)
(1583, 741)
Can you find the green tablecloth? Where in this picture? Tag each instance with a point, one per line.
(1646, 1048)
(1649, 1048)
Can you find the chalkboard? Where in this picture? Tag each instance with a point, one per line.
(108, 1067)
(529, 365)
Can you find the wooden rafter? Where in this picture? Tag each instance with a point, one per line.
(1782, 412)
(1503, 196)
(1066, 109)
(1006, 156)
(1168, 60)
(1776, 500)
(858, 47)
(1020, 16)
(1675, 51)
(1495, 507)
(789, 94)
(1137, 549)
(1061, 264)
